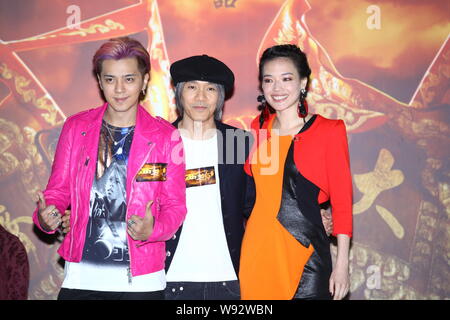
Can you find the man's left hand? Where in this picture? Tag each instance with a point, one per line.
(141, 228)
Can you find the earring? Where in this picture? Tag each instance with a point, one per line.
(302, 109)
(143, 92)
(265, 112)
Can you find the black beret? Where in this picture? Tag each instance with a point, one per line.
(203, 68)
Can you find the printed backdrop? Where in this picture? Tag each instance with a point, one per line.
(383, 66)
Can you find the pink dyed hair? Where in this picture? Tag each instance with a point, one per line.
(122, 48)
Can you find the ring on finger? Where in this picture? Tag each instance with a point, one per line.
(54, 213)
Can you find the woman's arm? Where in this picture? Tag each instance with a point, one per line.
(339, 280)
(340, 187)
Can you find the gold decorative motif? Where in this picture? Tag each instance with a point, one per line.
(391, 221)
(353, 118)
(434, 86)
(371, 184)
(109, 25)
(5, 72)
(382, 178)
(392, 276)
(29, 95)
(9, 132)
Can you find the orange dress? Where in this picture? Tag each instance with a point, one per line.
(272, 260)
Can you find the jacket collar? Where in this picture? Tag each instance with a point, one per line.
(267, 125)
(145, 123)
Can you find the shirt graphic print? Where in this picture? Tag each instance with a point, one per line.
(106, 235)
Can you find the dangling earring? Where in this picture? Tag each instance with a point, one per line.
(143, 92)
(302, 109)
(265, 113)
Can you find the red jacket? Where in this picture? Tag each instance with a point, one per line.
(321, 156)
(155, 141)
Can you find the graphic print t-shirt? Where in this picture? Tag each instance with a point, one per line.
(106, 260)
(106, 237)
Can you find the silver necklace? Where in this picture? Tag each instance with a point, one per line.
(120, 149)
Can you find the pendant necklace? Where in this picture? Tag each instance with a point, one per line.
(120, 149)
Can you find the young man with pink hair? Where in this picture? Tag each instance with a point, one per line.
(121, 171)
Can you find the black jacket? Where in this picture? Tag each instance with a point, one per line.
(237, 190)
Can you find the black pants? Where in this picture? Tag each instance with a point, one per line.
(75, 294)
(225, 290)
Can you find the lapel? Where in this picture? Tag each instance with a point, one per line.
(144, 138)
(222, 156)
(176, 122)
(91, 133)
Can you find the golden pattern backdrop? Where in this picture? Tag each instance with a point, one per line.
(381, 66)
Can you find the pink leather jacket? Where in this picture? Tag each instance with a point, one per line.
(155, 141)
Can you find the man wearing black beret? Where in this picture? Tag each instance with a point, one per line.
(202, 259)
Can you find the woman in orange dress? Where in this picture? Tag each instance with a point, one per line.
(299, 161)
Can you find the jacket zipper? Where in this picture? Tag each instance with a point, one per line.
(130, 277)
(77, 186)
(129, 269)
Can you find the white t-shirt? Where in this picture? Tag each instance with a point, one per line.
(202, 253)
(84, 276)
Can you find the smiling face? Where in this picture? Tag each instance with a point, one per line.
(199, 100)
(122, 83)
(281, 84)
